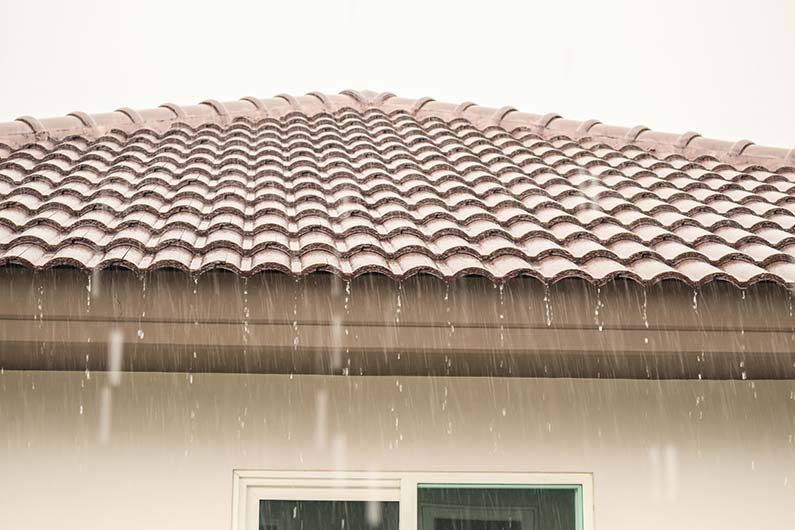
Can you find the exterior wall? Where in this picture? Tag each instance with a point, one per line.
(664, 454)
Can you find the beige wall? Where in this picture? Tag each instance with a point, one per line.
(664, 454)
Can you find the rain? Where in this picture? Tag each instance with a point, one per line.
(347, 407)
(358, 311)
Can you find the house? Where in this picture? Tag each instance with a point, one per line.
(363, 311)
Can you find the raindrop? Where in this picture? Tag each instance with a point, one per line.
(40, 303)
(504, 412)
(695, 300)
(398, 307)
(548, 304)
(104, 415)
(143, 306)
(502, 315)
(321, 419)
(296, 337)
(338, 448)
(81, 410)
(336, 341)
(94, 284)
(115, 344)
(664, 472)
(374, 513)
(447, 309)
(590, 188)
(599, 306)
(789, 304)
(644, 309)
(88, 295)
(246, 315)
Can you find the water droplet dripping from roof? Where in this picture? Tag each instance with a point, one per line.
(548, 304)
(502, 314)
(88, 295)
(599, 323)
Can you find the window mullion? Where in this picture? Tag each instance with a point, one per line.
(408, 503)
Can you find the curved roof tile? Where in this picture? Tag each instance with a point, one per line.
(362, 182)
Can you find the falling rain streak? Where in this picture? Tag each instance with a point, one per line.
(502, 314)
(140, 331)
(548, 304)
(645, 314)
(599, 305)
(88, 295)
(246, 316)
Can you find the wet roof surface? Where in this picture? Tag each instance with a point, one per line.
(358, 183)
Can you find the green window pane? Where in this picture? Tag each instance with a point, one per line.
(328, 515)
(481, 507)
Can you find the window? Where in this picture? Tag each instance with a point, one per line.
(338, 515)
(411, 501)
(493, 507)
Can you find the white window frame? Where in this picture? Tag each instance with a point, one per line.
(251, 486)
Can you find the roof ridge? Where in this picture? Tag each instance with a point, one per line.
(27, 129)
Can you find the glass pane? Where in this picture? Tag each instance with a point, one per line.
(497, 508)
(327, 515)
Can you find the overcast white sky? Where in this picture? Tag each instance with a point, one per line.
(725, 69)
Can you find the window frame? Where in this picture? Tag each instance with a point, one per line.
(251, 486)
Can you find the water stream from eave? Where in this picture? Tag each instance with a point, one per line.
(140, 332)
(743, 373)
(501, 313)
(398, 303)
(246, 315)
(447, 309)
(296, 331)
(88, 294)
(547, 304)
(88, 335)
(195, 309)
(40, 304)
(789, 307)
(597, 309)
(645, 314)
(348, 298)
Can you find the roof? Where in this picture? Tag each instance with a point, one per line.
(362, 182)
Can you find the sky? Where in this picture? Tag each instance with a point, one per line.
(724, 69)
